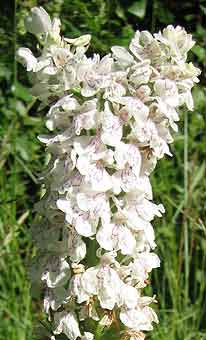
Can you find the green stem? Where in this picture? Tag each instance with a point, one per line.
(14, 170)
(186, 241)
(15, 45)
(153, 18)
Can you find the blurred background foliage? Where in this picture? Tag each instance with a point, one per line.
(179, 183)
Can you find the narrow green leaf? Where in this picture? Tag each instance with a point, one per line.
(21, 92)
(198, 176)
(203, 9)
(199, 51)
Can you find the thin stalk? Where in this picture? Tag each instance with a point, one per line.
(153, 19)
(185, 220)
(14, 45)
(14, 168)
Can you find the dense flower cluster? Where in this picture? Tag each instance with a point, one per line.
(111, 120)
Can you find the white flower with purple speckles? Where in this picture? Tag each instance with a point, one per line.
(110, 120)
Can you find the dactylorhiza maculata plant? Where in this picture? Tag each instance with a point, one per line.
(111, 120)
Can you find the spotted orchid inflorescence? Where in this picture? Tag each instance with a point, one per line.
(111, 120)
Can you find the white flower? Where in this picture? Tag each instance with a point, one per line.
(128, 154)
(153, 136)
(108, 286)
(38, 21)
(104, 282)
(135, 108)
(128, 296)
(142, 266)
(143, 207)
(76, 289)
(26, 58)
(144, 46)
(94, 73)
(54, 298)
(88, 118)
(84, 214)
(128, 181)
(60, 56)
(82, 221)
(177, 39)
(115, 85)
(55, 31)
(141, 73)
(59, 114)
(57, 272)
(123, 57)
(98, 179)
(116, 237)
(97, 204)
(80, 41)
(92, 154)
(66, 322)
(111, 127)
(166, 90)
(110, 119)
(139, 319)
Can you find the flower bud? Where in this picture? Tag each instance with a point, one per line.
(38, 21)
(26, 58)
(80, 41)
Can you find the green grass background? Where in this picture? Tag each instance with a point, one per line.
(179, 183)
